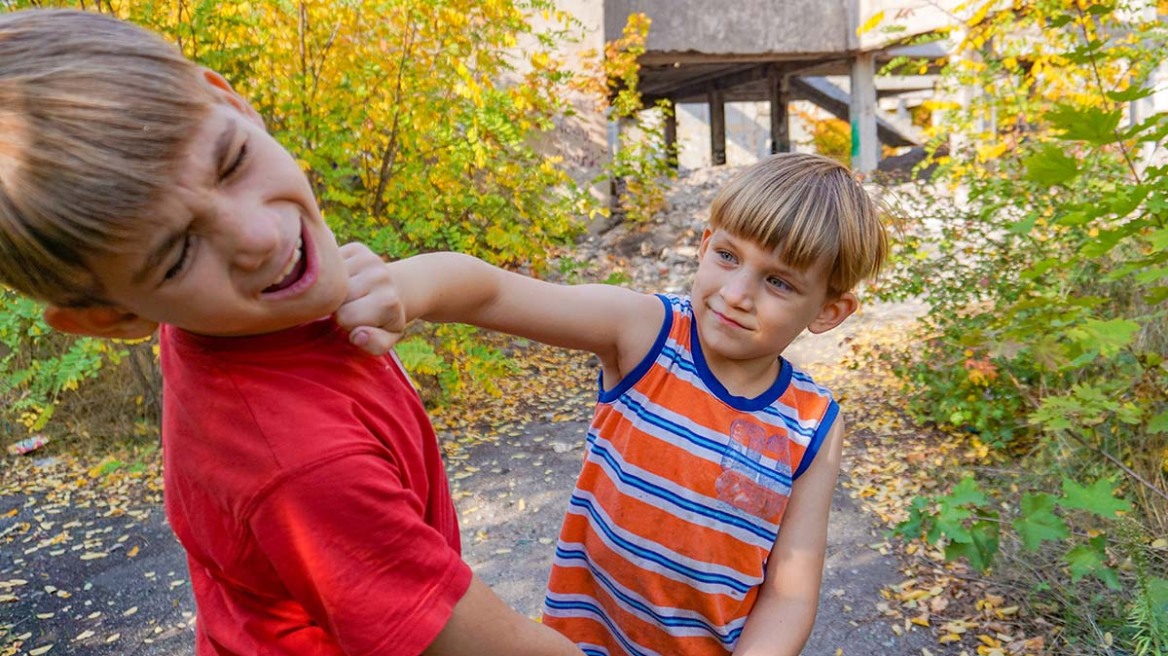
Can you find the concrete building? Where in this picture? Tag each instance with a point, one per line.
(755, 53)
(740, 75)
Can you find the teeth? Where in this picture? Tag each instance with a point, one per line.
(293, 262)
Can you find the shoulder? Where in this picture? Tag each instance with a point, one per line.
(806, 384)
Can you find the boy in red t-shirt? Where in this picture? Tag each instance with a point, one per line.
(302, 476)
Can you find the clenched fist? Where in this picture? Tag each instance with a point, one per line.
(373, 312)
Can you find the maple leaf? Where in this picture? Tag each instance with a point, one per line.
(1038, 522)
(1097, 499)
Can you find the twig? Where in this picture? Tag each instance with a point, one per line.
(1099, 83)
(1118, 463)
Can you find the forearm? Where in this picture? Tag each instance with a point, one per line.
(482, 625)
(777, 626)
(445, 287)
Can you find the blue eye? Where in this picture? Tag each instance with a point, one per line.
(726, 256)
(778, 283)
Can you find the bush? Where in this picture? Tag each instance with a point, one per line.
(1041, 246)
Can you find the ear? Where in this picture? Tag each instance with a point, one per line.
(705, 242)
(221, 89)
(100, 321)
(833, 312)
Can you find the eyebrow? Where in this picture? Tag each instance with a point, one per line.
(157, 254)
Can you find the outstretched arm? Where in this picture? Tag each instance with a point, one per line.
(482, 625)
(784, 614)
(617, 324)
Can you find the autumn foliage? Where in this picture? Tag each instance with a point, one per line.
(1041, 247)
(419, 125)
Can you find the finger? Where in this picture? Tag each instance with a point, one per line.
(374, 341)
(355, 249)
(377, 310)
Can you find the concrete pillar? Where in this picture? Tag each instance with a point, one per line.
(717, 128)
(616, 130)
(670, 110)
(780, 93)
(865, 146)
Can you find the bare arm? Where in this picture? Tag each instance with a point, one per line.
(784, 614)
(617, 324)
(482, 625)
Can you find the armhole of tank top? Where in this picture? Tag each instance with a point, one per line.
(644, 365)
(825, 425)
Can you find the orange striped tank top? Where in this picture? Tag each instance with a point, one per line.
(679, 502)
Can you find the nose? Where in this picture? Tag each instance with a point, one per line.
(254, 234)
(738, 290)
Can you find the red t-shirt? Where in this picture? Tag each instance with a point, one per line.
(304, 479)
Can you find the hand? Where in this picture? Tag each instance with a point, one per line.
(372, 312)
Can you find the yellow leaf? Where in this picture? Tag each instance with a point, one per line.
(871, 23)
(988, 641)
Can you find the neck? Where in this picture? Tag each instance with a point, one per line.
(745, 378)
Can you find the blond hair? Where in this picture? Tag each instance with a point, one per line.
(807, 208)
(95, 114)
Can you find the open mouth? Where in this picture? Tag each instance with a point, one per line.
(292, 272)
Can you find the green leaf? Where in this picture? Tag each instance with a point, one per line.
(1152, 275)
(418, 357)
(911, 528)
(1091, 559)
(1050, 166)
(951, 522)
(1097, 499)
(1104, 337)
(1091, 124)
(980, 549)
(1159, 239)
(1102, 243)
(1156, 295)
(1038, 522)
(1157, 596)
(1158, 424)
(1078, 217)
(966, 492)
(1131, 94)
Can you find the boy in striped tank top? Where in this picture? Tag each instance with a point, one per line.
(699, 520)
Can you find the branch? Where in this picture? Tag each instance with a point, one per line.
(389, 153)
(1118, 463)
(1099, 84)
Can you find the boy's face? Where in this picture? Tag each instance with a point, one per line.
(238, 247)
(749, 305)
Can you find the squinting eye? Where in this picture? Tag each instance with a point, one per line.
(181, 264)
(236, 163)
